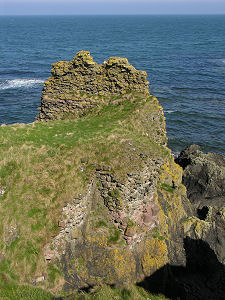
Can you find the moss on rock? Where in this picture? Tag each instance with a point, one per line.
(73, 85)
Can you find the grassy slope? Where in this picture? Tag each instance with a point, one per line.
(16, 292)
(45, 165)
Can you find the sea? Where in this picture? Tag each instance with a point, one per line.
(184, 57)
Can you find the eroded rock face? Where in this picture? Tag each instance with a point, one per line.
(81, 84)
(123, 228)
(119, 232)
(201, 278)
(203, 274)
(204, 178)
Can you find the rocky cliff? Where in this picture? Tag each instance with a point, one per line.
(123, 228)
(93, 195)
(203, 276)
(77, 86)
(204, 178)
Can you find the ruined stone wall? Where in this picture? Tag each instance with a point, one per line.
(78, 85)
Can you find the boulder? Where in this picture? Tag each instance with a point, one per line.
(203, 176)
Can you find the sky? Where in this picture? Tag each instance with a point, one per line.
(81, 7)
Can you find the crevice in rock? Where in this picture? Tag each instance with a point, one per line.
(203, 213)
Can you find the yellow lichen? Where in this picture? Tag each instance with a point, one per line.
(154, 256)
(97, 238)
(124, 264)
(200, 227)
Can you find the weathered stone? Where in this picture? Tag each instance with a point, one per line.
(204, 176)
(61, 224)
(204, 243)
(76, 233)
(123, 228)
(130, 231)
(49, 254)
(81, 84)
(40, 279)
(147, 218)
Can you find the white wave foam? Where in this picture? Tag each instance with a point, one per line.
(218, 60)
(18, 83)
(169, 111)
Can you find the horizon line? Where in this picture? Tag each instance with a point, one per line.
(108, 14)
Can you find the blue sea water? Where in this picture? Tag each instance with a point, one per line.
(183, 55)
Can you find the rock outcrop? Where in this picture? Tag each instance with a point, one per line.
(118, 232)
(123, 228)
(81, 84)
(204, 176)
(204, 232)
(101, 199)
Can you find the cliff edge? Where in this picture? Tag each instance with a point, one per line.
(93, 195)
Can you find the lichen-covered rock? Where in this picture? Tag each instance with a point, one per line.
(124, 228)
(204, 176)
(120, 232)
(77, 86)
(99, 199)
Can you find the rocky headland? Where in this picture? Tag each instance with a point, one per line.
(90, 194)
(77, 86)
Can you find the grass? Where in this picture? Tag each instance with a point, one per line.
(53, 272)
(167, 188)
(157, 235)
(114, 235)
(45, 165)
(101, 223)
(105, 292)
(11, 291)
(114, 193)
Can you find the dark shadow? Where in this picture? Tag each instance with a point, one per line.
(71, 297)
(202, 212)
(202, 278)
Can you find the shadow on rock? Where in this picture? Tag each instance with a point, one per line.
(203, 176)
(202, 278)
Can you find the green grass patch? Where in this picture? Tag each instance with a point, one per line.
(157, 235)
(53, 272)
(114, 193)
(5, 268)
(114, 236)
(167, 188)
(130, 223)
(105, 292)
(101, 223)
(12, 291)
